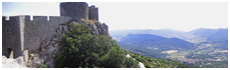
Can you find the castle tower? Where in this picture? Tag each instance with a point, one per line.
(93, 13)
(75, 10)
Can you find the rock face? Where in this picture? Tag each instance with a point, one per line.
(99, 28)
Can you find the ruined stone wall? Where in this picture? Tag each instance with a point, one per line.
(93, 13)
(40, 30)
(75, 10)
(21, 32)
(11, 39)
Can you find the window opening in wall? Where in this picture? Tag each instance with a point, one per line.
(7, 31)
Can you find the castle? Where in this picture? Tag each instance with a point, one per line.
(22, 32)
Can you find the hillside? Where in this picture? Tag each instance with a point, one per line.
(219, 37)
(147, 40)
(150, 62)
(152, 45)
(210, 35)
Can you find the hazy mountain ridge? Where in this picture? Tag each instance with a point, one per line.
(148, 40)
(211, 34)
(194, 36)
(160, 32)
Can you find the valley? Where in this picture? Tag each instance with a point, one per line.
(200, 47)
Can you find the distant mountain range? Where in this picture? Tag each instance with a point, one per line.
(194, 36)
(211, 34)
(154, 41)
(161, 32)
(214, 36)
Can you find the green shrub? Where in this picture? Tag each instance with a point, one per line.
(79, 48)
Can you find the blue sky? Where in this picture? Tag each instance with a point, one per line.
(10, 7)
(184, 16)
(30, 8)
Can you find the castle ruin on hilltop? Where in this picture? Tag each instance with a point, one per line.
(22, 32)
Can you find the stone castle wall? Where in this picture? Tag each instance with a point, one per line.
(21, 32)
(40, 29)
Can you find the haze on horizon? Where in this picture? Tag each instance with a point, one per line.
(184, 16)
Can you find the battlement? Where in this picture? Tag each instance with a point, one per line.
(13, 18)
(8, 18)
(34, 18)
